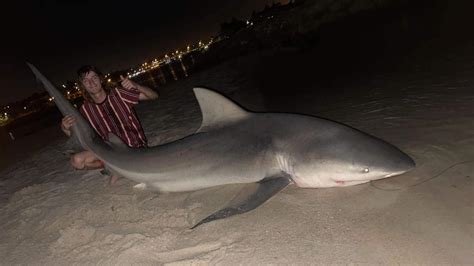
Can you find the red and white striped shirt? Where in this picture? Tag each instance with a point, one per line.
(116, 115)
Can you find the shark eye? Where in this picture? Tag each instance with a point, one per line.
(366, 170)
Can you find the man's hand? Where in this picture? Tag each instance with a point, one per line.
(128, 84)
(67, 123)
(145, 92)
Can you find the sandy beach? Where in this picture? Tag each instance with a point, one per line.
(51, 214)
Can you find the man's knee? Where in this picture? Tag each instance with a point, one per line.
(78, 161)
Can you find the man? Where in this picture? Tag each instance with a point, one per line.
(108, 110)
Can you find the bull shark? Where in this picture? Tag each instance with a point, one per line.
(266, 151)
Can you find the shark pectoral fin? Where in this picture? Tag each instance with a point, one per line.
(249, 198)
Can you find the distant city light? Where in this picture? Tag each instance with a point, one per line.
(156, 63)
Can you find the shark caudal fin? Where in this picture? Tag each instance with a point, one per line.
(217, 110)
(62, 103)
(81, 129)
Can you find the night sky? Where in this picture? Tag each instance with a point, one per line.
(60, 37)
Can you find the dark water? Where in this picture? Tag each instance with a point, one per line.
(25, 136)
(165, 74)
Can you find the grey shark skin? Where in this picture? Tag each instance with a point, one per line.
(265, 150)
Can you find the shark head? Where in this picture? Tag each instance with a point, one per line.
(342, 156)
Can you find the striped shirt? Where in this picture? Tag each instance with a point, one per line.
(116, 115)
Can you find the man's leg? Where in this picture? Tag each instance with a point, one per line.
(86, 160)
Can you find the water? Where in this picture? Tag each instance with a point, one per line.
(30, 134)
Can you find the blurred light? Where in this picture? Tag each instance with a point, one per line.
(64, 86)
(68, 92)
(24, 107)
(109, 80)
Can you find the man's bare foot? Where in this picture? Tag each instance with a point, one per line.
(113, 179)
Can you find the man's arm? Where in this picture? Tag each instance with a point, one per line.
(145, 92)
(66, 124)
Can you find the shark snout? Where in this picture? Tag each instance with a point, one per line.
(405, 164)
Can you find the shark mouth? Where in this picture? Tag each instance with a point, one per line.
(350, 183)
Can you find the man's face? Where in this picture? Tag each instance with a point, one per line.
(91, 82)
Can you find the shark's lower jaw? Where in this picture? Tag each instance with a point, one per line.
(395, 174)
(341, 183)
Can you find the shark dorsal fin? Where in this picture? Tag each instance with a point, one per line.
(217, 110)
(116, 142)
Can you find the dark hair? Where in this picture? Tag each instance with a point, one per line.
(82, 72)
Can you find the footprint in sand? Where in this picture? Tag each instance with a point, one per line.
(142, 255)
